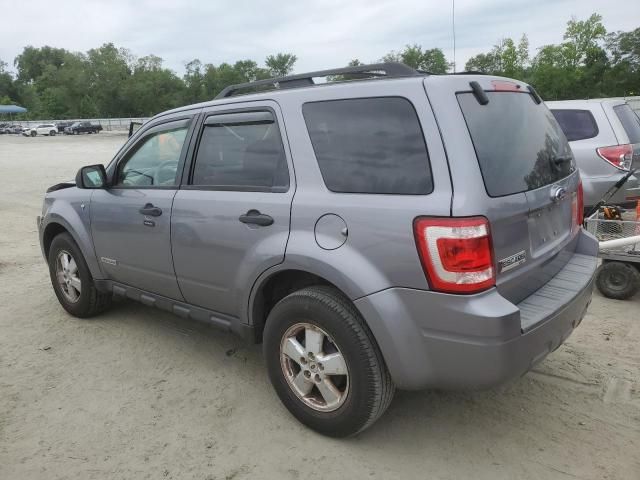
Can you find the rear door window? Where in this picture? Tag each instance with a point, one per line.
(241, 151)
(518, 143)
(630, 122)
(576, 124)
(369, 145)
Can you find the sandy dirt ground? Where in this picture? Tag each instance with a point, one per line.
(140, 394)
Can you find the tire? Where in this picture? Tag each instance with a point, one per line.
(89, 301)
(34, 133)
(618, 280)
(52, 133)
(367, 389)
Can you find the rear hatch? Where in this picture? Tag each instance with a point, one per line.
(515, 167)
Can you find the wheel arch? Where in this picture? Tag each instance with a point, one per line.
(278, 282)
(58, 224)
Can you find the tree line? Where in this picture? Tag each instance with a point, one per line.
(110, 82)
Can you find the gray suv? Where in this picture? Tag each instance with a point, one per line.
(604, 135)
(385, 229)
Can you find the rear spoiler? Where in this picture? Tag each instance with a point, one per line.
(482, 98)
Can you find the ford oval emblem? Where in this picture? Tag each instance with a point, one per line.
(558, 193)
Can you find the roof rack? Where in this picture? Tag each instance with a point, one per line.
(387, 70)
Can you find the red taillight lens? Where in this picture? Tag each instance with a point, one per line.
(580, 208)
(456, 253)
(620, 156)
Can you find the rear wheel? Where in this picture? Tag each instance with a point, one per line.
(618, 280)
(52, 133)
(72, 281)
(324, 362)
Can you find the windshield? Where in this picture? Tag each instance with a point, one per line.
(519, 144)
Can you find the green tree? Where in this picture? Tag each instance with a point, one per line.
(582, 37)
(505, 58)
(431, 60)
(153, 88)
(280, 64)
(194, 87)
(107, 74)
(8, 89)
(32, 61)
(484, 63)
(623, 51)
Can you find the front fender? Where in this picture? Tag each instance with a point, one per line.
(71, 210)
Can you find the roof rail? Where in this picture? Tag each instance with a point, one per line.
(388, 70)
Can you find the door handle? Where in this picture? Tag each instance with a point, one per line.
(256, 218)
(150, 210)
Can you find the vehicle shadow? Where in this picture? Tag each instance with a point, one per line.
(522, 410)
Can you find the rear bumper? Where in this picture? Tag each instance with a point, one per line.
(435, 340)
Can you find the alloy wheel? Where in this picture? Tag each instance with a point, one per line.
(314, 367)
(68, 276)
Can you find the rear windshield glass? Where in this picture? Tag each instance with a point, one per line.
(369, 145)
(630, 122)
(576, 124)
(519, 144)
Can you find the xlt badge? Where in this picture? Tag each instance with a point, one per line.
(108, 261)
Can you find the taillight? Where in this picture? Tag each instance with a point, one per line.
(456, 253)
(620, 156)
(577, 207)
(580, 208)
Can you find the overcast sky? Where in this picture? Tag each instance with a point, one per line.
(322, 34)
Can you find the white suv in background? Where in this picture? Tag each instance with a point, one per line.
(45, 129)
(604, 135)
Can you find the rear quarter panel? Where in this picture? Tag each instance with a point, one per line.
(380, 250)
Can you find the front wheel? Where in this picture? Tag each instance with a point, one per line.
(325, 364)
(72, 281)
(34, 133)
(618, 280)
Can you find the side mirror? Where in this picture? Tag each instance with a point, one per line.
(92, 176)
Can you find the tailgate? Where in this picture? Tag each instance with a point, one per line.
(518, 172)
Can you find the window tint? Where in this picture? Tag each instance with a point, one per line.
(369, 145)
(519, 144)
(241, 150)
(576, 124)
(630, 122)
(154, 161)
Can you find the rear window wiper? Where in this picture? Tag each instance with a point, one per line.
(479, 93)
(562, 158)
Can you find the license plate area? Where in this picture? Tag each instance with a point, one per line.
(549, 226)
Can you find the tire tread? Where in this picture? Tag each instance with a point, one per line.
(380, 379)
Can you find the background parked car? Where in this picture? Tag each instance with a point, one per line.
(83, 127)
(62, 125)
(604, 135)
(47, 129)
(14, 129)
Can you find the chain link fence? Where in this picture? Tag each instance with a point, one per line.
(108, 124)
(122, 124)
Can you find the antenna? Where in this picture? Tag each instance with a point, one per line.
(453, 23)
